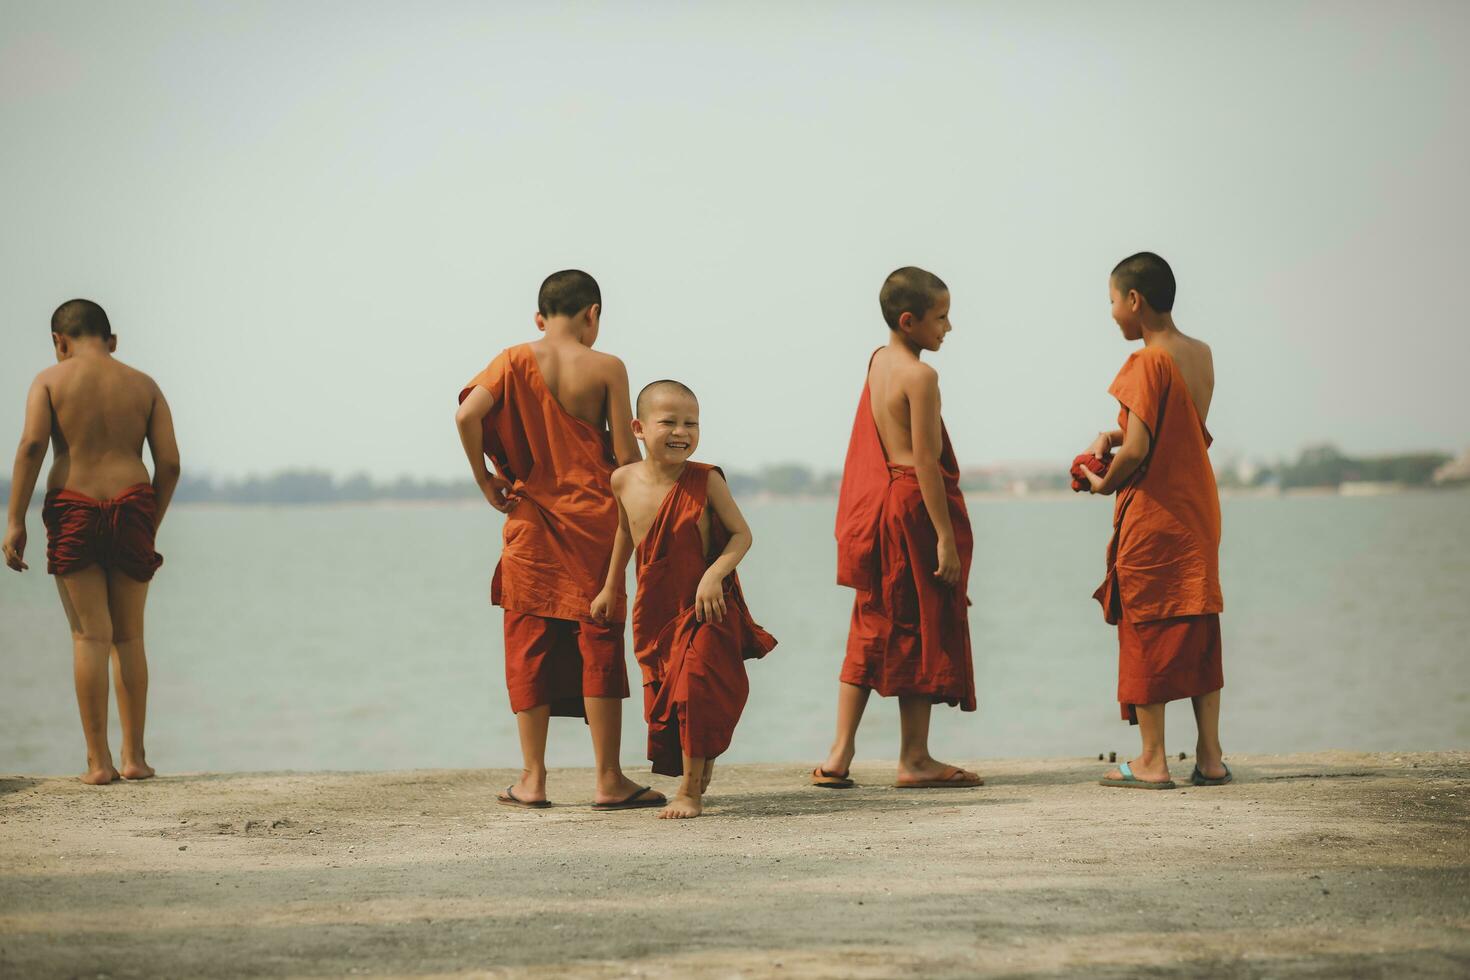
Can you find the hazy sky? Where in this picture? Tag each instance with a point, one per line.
(312, 222)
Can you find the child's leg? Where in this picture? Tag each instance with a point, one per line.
(125, 598)
(84, 597)
(605, 724)
(1153, 763)
(851, 700)
(532, 725)
(689, 800)
(709, 774)
(1207, 752)
(914, 760)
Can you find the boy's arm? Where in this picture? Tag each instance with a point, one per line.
(617, 568)
(1130, 455)
(164, 446)
(620, 414)
(709, 597)
(469, 418)
(1105, 442)
(35, 435)
(928, 441)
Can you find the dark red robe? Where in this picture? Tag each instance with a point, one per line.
(694, 679)
(116, 533)
(910, 633)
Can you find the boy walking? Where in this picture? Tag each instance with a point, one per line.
(692, 632)
(553, 415)
(101, 514)
(904, 543)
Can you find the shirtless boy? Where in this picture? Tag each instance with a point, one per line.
(1162, 589)
(692, 631)
(101, 514)
(554, 417)
(904, 543)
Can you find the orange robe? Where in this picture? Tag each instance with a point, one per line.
(1163, 585)
(910, 633)
(693, 673)
(558, 540)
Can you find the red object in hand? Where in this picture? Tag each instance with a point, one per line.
(1098, 466)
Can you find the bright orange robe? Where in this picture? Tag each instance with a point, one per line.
(694, 678)
(910, 633)
(558, 540)
(1165, 567)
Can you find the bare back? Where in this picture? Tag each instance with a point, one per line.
(1197, 364)
(101, 410)
(891, 382)
(577, 377)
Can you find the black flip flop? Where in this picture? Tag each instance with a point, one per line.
(1200, 779)
(832, 780)
(633, 801)
(509, 798)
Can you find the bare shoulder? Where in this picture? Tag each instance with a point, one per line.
(717, 480)
(621, 476)
(140, 378)
(610, 365)
(918, 377)
(48, 376)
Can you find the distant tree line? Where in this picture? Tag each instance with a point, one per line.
(1317, 466)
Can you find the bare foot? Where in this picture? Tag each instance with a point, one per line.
(99, 777)
(1156, 771)
(137, 770)
(1211, 767)
(682, 807)
(925, 770)
(709, 773)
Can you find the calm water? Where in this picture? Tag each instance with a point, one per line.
(362, 638)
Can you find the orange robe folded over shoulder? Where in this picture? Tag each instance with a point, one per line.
(557, 541)
(115, 534)
(694, 678)
(1163, 584)
(910, 633)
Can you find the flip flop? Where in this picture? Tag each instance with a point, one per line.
(1200, 779)
(947, 781)
(1130, 781)
(633, 801)
(828, 780)
(509, 798)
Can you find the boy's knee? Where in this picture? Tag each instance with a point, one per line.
(94, 634)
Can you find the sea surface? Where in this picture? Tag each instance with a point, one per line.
(362, 637)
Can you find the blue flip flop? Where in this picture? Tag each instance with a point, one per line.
(1130, 781)
(1200, 779)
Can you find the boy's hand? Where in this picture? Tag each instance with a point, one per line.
(948, 571)
(602, 606)
(1093, 480)
(497, 491)
(709, 598)
(15, 548)
(1101, 446)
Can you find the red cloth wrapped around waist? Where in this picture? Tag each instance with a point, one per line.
(116, 533)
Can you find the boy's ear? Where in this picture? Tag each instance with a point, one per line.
(112, 344)
(594, 314)
(61, 343)
(540, 322)
(906, 322)
(637, 427)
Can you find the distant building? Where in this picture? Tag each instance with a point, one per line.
(1456, 470)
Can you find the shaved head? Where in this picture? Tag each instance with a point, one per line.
(81, 318)
(667, 384)
(1150, 276)
(909, 290)
(568, 293)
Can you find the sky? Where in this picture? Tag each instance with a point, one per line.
(313, 222)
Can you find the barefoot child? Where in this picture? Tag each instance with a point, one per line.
(101, 514)
(1163, 582)
(552, 415)
(904, 543)
(692, 632)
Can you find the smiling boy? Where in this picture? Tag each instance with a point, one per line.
(904, 543)
(692, 631)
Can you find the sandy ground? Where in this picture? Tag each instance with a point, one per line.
(1325, 865)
